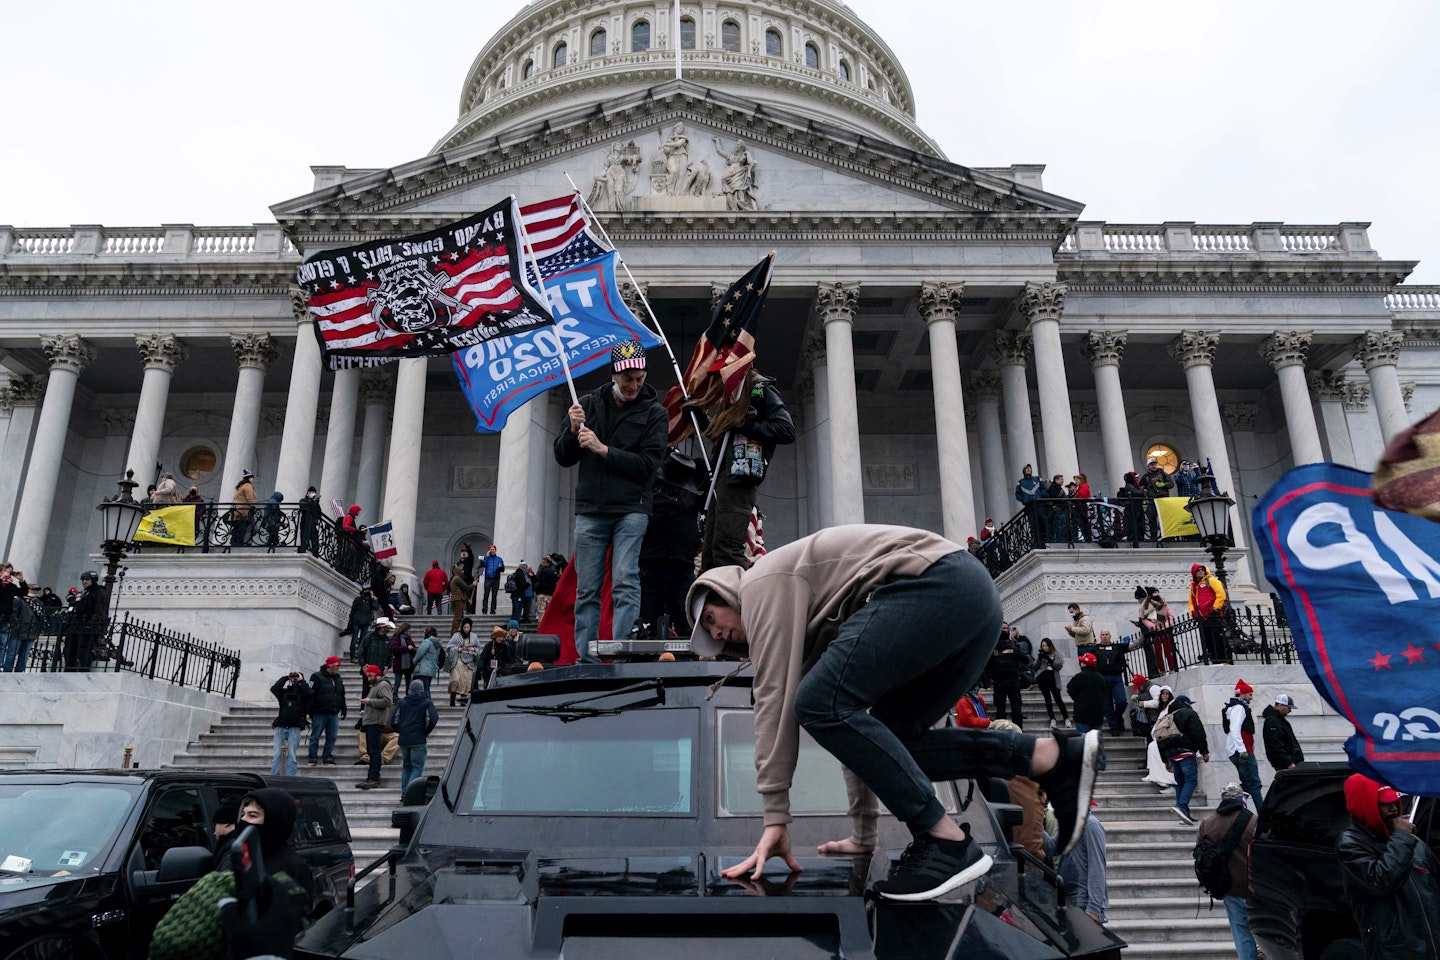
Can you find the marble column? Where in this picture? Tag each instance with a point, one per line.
(339, 437)
(297, 441)
(1042, 304)
(1195, 351)
(1378, 352)
(1329, 387)
(1105, 349)
(1286, 350)
(161, 353)
(820, 431)
(836, 303)
(254, 352)
(514, 486)
(68, 355)
(402, 473)
(377, 391)
(22, 396)
(995, 479)
(939, 302)
(1012, 350)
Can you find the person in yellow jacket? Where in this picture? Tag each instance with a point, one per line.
(1207, 604)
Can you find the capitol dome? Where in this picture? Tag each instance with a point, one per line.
(557, 59)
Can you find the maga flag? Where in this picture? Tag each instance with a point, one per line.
(173, 525)
(501, 376)
(726, 353)
(424, 295)
(1361, 587)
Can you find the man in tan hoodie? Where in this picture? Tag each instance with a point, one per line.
(866, 636)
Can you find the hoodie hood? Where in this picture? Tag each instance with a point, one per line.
(354, 509)
(1201, 567)
(1270, 711)
(416, 691)
(281, 812)
(725, 583)
(1362, 800)
(1229, 805)
(434, 564)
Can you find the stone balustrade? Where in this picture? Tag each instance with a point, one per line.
(265, 240)
(1414, 298)
(1170, 239)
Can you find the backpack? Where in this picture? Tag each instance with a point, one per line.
(510, 583)
(1212, 858)
(441, 660)
(1164, 729)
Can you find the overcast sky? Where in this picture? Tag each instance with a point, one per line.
(131, 114)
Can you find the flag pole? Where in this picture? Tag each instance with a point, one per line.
(658, 330)
(540, 282)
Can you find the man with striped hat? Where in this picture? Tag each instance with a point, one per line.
(616, 434)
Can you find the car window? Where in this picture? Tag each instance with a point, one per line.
(635, 763)
(818, 786)
(61, 829)
(321, 820)
(176, 819)
(1313, 813)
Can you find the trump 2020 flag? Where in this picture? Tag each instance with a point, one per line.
(425, 295)
(1361, 587)
(382, 539)
(500, 376)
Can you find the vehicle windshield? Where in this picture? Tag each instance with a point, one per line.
(60, 829)
(631, 764)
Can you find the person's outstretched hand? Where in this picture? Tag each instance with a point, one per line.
(272, 934)
(774, 842)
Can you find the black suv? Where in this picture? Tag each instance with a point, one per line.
(1298, 910)
(587, 811)
(91, 860)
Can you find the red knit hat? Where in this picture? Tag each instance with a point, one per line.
(374, 669)
(1242, 687)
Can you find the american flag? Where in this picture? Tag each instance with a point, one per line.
(559, 235)
(725, 353)
(423, 295)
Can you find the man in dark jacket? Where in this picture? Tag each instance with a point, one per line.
(375, 649)
(1110, 662)
(86, 623)
(1282, 749)
(1179, 753)
(616, 435)
(363, 611)
(746, 433)
(327, 708)
(672, 539)
(1087, 691)
(294, 696)
(1005, 663)
(414, 717)
(1390, 876)
(1215, 828)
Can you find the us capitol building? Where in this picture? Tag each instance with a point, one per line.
(933, 327)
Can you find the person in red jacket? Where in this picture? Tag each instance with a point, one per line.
(350, 523)
(435, 583)
(970, 710)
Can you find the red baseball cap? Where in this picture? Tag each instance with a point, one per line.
(1387, 795)
(1088, 660)
(332, 661)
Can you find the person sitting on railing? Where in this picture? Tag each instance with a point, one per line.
(402, 601)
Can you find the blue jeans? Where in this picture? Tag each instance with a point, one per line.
(1084, 728)
(898, 665)
(594, 534)
(412, 764)
(328, 724)
(7, 653)
(1249, 771)
(1238, 914)
(21, 654)
(290, 736)
(1187, 777)
(1117, 703)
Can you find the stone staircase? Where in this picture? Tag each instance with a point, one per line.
(1155, 904)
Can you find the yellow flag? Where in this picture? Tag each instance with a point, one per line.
(172, 525)
(1175, 520)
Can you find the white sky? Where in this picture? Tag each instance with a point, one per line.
(1228, 111)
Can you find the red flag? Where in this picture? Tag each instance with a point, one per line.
(559, 618)
(725, 353)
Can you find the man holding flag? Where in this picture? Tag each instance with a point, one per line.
(616, 434)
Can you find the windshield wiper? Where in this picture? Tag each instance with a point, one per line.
(577, 709)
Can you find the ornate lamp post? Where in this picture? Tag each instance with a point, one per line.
(121, 515)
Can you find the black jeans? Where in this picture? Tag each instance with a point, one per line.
(1050, 690)
(1013, 713)
(374, 742)
(491, 595)
(895, 668)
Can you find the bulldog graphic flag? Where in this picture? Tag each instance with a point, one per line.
(425, 295)
(1361, 587)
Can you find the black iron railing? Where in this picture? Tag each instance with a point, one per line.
(100, 645)
(1250, 634)
(234, 527)
(1099, 522)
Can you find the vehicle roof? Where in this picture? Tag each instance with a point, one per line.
(581, 676)
(126, 776)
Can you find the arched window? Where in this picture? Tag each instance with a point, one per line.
(730, 36)
(844, 71)
(774, 44)
(687, 33)
(597, 43)
(812, 56)
(640, 37)
(558, 60)
(528, 70)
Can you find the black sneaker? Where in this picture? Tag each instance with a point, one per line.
(1071, 783)
(329, 763)
(930, 867)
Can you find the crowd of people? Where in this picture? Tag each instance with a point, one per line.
(28, 612)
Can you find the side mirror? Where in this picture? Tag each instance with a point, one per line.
(180, 867)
